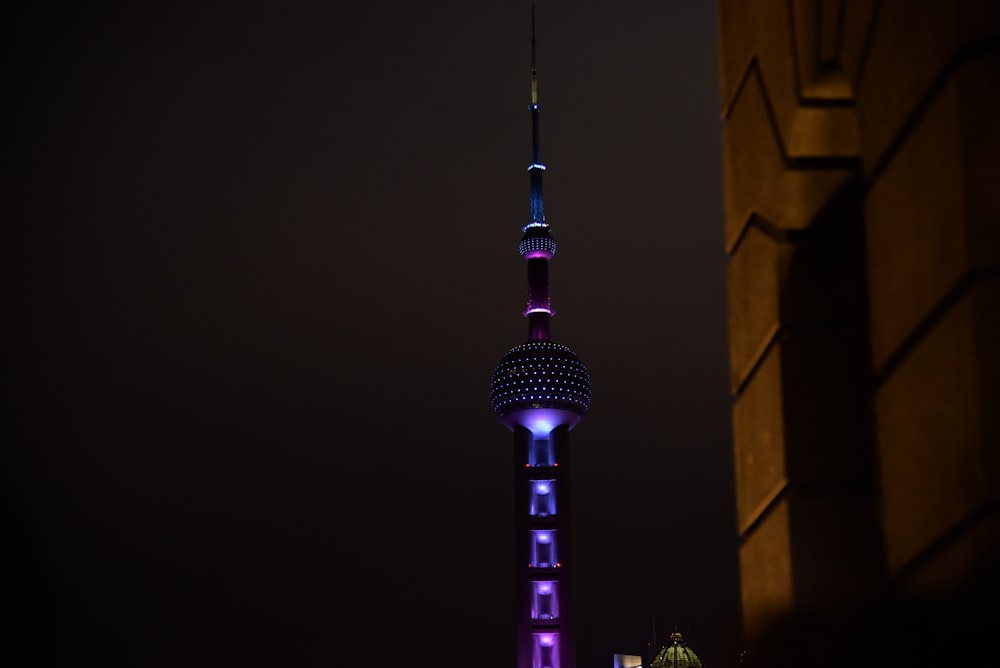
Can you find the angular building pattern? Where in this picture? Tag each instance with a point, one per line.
(540, 390)
(862, 217)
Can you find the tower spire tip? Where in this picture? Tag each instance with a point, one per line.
(534, 70)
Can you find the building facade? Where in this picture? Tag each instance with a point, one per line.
(862, 218)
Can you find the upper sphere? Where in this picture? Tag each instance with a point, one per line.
(537, 242)
(540, 375)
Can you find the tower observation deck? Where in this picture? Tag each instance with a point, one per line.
(540, 391)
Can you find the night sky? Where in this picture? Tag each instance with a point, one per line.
(260, 261)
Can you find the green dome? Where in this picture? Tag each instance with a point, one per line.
(677, 655)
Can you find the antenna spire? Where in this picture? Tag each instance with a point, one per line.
(534, 72)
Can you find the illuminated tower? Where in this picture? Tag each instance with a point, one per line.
(540, 391)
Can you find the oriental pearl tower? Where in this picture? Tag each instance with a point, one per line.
(540, 391)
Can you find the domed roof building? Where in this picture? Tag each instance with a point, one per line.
(677, 655)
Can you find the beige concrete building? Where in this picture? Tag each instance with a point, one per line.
(862, 218)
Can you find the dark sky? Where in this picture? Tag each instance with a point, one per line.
(260, 262)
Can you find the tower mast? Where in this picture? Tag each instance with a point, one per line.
(537, 246)
(540, 391)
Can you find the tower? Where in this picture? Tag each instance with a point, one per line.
(540, 391)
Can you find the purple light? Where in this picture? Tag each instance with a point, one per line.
(544, 537)
(539, 309)
(545, 653)
(537, 246)
(545, 601)
(542, 487)
(540, 421)
(536, 166)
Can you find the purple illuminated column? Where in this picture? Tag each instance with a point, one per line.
(544, 610)
(539, 308)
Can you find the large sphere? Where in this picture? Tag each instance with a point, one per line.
(540, 378)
